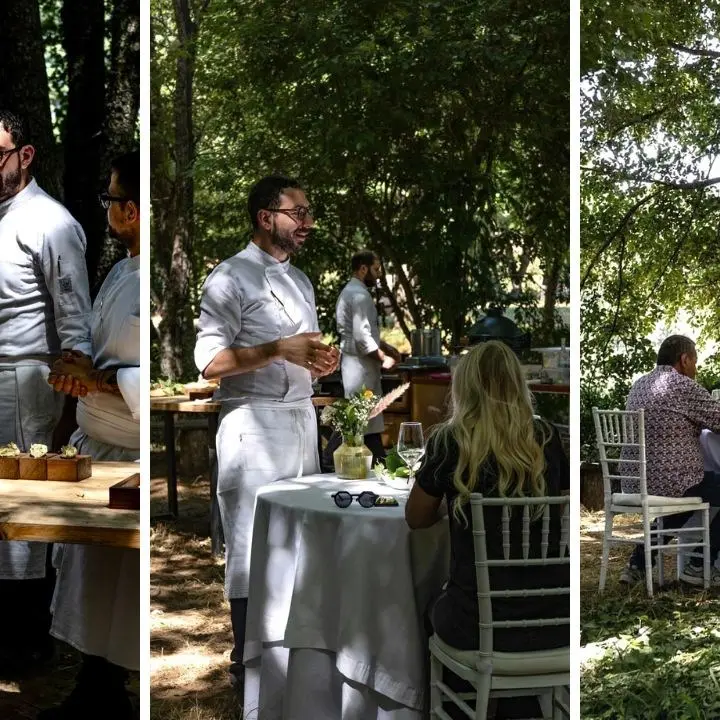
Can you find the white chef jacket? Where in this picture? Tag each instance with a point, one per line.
(115, 419)
(44, 307)
(44, 296)
(248, 300)
(357, 324)
(267, 428)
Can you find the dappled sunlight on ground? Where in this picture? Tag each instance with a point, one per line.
(642, 657)
(189, 619)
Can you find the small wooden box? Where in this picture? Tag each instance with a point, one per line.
(33, 468)
(125, 495)
(9, 468)
(69, 469)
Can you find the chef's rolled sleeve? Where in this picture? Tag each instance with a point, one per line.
(220, 317)
(65, 272)
(361, 328)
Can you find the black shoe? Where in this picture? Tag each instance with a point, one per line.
(81, 706)
(99, 694)
(19, 662)
(237, 680)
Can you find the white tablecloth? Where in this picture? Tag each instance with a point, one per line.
(334, 627)
(710, 444)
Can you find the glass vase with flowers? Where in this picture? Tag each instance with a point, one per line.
(350, 417)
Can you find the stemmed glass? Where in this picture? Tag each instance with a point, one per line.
(411, 446)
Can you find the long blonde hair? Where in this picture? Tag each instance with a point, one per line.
(492, 417)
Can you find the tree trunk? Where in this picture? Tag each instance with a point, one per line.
(24, 85)
(174, 203)
(552, 281)
(83, 23)
(121, 108)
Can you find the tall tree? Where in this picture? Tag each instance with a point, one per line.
(83, 25)
(24, 85)
(650, 206)
(122, 105)
(172, 168)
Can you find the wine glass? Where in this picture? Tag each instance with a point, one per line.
(411, 446)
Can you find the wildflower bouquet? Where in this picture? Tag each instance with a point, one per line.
(350, 416)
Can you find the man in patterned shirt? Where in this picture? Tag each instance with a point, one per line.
(677, 409)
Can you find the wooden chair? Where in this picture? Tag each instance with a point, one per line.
(542, 673)
(621, 443)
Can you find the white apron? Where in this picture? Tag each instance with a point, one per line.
(96, 607)
(267, 428)
(357, 324)
(257, 444)
(29, 411)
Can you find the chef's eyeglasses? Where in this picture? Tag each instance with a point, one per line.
(6, 153)
(344, 499)
(298, 213)
(106, 199)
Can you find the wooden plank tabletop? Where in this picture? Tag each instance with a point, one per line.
(183, 404)
(69, 512)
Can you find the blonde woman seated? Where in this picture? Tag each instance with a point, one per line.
(492, 445)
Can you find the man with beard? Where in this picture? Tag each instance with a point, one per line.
(44, 308)
(364, 354)
(258, 333)
(96, 606)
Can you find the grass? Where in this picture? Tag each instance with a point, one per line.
(191, 634)
(645, 658)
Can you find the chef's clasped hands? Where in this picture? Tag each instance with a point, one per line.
(307, 350)
(74, 374)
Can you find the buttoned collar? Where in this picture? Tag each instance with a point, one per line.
(25, 194)
(272, 265)
(357, 283)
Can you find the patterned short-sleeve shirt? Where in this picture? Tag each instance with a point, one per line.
(677, 409)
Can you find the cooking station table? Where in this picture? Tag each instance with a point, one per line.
(70, 512)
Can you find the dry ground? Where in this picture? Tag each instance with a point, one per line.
(189, 618)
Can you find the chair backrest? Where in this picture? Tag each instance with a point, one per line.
(621, 445)
(534, 510)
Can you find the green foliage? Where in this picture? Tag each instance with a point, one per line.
(434, 133)
(649, 206)
(655, 658)
(709, 373)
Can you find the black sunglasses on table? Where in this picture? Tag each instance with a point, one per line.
(366, 499)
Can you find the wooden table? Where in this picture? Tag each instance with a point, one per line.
(168, 406)
(69, 512)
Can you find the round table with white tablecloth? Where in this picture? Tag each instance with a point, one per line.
(710, 446)
(337, 597)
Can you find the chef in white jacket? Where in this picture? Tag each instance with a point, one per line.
(96, 608)
(364, 354)
(258, 332)
(44, 308)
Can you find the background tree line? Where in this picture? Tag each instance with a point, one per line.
(71, 68)
(650, 200)
(434, 133)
